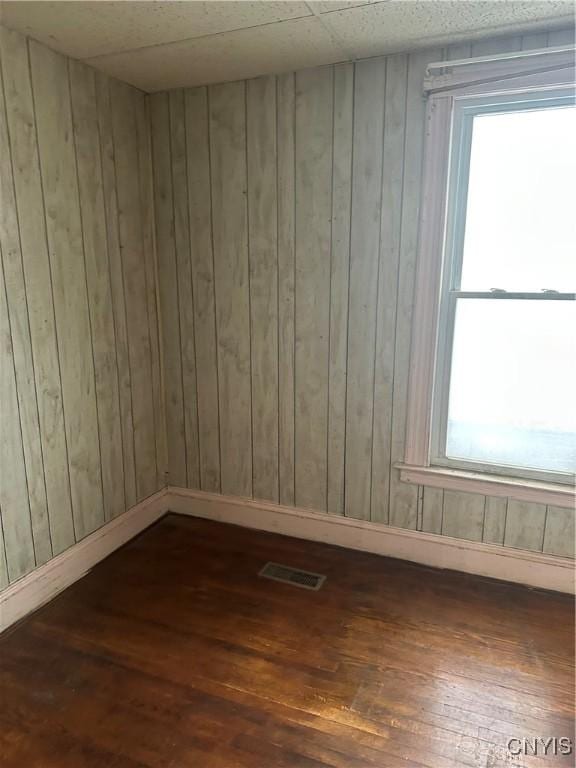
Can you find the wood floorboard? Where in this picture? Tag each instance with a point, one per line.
(172, 653)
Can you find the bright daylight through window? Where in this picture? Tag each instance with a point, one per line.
(506, 377)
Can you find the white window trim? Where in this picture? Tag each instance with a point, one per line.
(554, 494)
(464, 111)
(445, 82)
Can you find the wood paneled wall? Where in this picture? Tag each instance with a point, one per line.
(81, 432)
(285, 222)
(287, 226)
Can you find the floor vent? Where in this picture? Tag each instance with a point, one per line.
(298, 578)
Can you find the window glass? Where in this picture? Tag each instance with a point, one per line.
(513, 383)
(520, 230)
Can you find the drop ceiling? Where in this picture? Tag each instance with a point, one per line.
(163, 44)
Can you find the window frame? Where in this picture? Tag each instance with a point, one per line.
(521, 77)
(465, 109)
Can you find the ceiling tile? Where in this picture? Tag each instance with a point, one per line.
(326, 6)
(395, 25)
(85, 29)
(167, 44)
(281, 47)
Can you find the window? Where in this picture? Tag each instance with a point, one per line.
(493, 375)
(506, 376)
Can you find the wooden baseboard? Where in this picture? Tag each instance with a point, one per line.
(44, 583)
(531, 568)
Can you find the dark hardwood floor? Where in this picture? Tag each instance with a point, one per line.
(174, 653)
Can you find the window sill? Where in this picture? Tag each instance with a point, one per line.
(554, 494)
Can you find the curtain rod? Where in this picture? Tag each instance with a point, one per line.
(435, 65)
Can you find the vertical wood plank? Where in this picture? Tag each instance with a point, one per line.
(525, 525)
(168, 285)
(22, 348)
(534, 41)
(463, 515)
(496, 45)
(404, 496)
(559, 534)
(494, 519)
(21, 123)
(13, 487)
(420, 508)
(432, 507)
(390, 221)
(104, 109)
(339, 281)
(313, 182)
(369, 91)
(461, 500)
(83, 93)
(3, 566)
(200, 214)
(58, 169)
(230, 229)
(132, 257)
(458, 51)
(184, 282)
(561, 37)
(263, 264)
(143, 136)
(285, 100)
